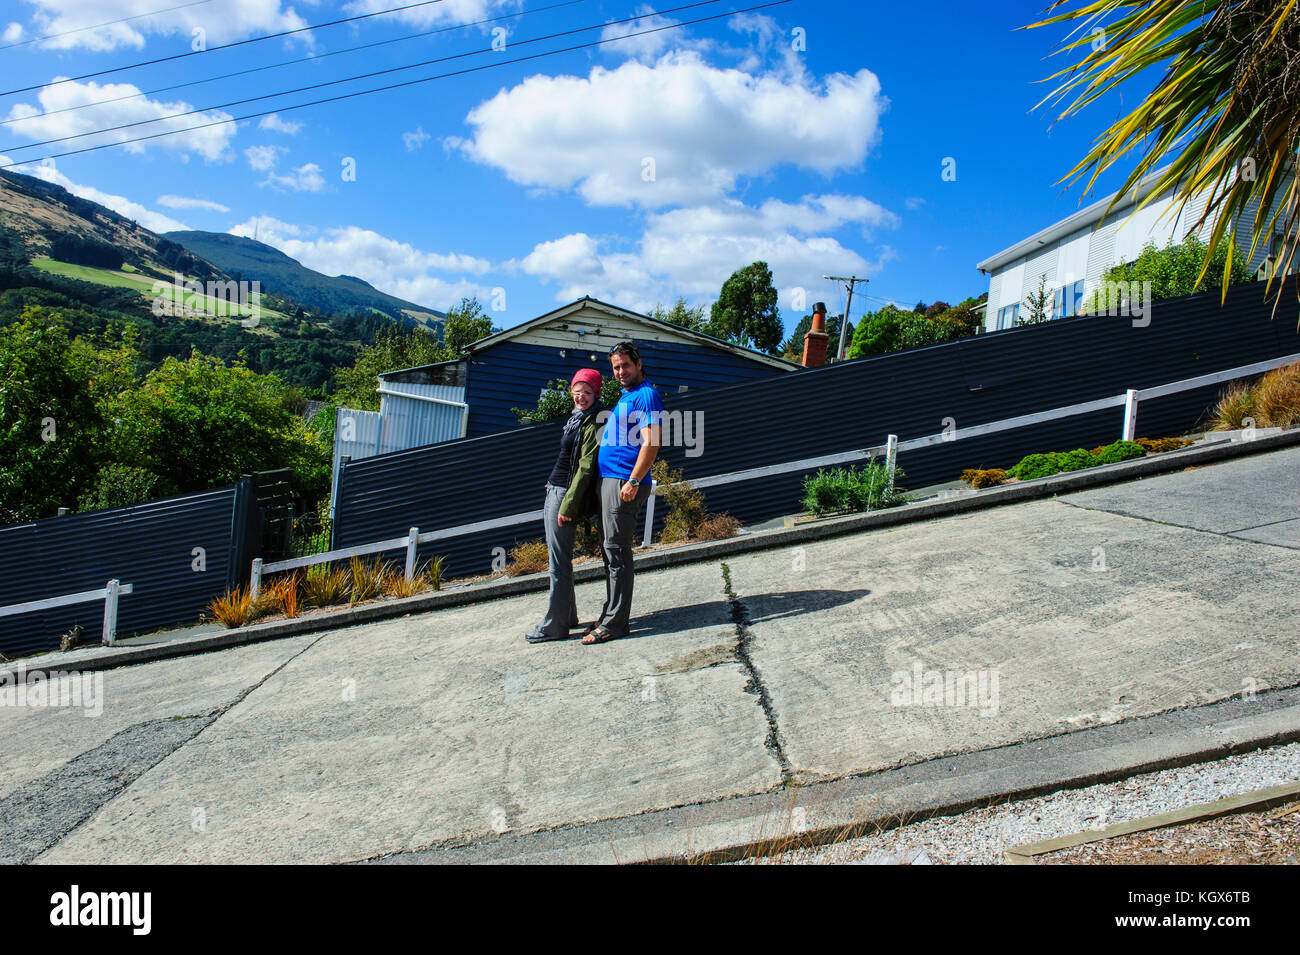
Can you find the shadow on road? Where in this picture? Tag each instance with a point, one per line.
(758, 607)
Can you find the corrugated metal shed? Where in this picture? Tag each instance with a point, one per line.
(178, 553)
(852, 405)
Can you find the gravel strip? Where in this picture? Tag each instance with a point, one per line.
(980, 837)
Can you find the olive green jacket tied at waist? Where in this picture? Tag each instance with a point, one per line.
(582, 499)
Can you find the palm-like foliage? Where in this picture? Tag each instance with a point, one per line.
(1227, 108)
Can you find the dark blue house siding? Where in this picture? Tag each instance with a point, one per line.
(511, 374)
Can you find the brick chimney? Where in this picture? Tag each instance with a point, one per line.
(814, 343)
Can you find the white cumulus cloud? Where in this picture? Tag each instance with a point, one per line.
(75, 108)
(691, 251)
(275, 124)
(186, 202)
(676, 132)
(263, 158)
(235, 19)
(305, 178)
(397, 268)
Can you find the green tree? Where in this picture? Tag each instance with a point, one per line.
(199, 423)
(878, 332)
(51, 429)
(354, 385)
(1175, 270)
(746, 311)
(465, 325)
(1223, 117)
(1036, 305)
(686, 316)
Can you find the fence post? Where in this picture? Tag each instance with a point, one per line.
(255, 580)
(891, 456)
(412, 541)
(110, 613)
(649, 516)
(1130, 414)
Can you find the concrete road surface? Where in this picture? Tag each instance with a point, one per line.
(841, 657)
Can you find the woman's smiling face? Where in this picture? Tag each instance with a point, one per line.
(583, 396)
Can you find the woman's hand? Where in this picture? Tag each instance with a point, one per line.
(562, 520)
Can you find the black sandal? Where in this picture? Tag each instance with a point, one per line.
(597, 635)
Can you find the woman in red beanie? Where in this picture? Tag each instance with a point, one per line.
(572, 494)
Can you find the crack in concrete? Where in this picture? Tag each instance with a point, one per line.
(1229, 535)
(755, 685)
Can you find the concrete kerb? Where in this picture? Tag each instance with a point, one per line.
(1196, 456)
(747, 826)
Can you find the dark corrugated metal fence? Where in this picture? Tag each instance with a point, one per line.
(851, 405)
(154, 546)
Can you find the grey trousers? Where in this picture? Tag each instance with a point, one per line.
(562, 611)
(618, 522)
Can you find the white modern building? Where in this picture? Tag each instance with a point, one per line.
(1075, 252)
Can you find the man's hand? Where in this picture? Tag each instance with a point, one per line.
(562, 520)
(627, 492)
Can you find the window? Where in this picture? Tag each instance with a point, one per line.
(1066, 300)
(1007, 316)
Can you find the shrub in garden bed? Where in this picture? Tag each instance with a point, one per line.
(1054, 462)
(983, 477)
(852, 489)
(1161, 445)
(1272, 402)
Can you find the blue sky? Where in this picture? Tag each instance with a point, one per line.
(812, 135)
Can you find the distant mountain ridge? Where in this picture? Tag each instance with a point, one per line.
(280, 274)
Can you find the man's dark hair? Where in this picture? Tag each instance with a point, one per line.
(626, 348)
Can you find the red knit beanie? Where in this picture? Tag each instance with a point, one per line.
(588, 376)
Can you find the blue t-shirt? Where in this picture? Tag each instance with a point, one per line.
(620, 442)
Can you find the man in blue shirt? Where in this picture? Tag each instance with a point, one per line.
(628, 447)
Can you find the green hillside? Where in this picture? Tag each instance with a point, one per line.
(342, 294)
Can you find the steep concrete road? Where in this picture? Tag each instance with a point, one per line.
(841, 657)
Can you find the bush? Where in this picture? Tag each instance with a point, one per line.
(1271, 402)
(1053, 462)
(323, 586)
(686, 510)
(1172, 271)
(366, 579)
(852, 489)
(983, 477)
(120, 485)
(232, 608)
(528, 558)
(1160, 445)
(1119, 451)
(555, 403)
(717, 527)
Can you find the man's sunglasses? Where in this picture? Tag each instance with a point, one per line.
(627, 348)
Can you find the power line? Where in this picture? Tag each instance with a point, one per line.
(348, 79)
(106, 23)
(304, 59)
(223, 46)
(393, 86)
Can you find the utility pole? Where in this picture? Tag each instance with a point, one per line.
(844, 322)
